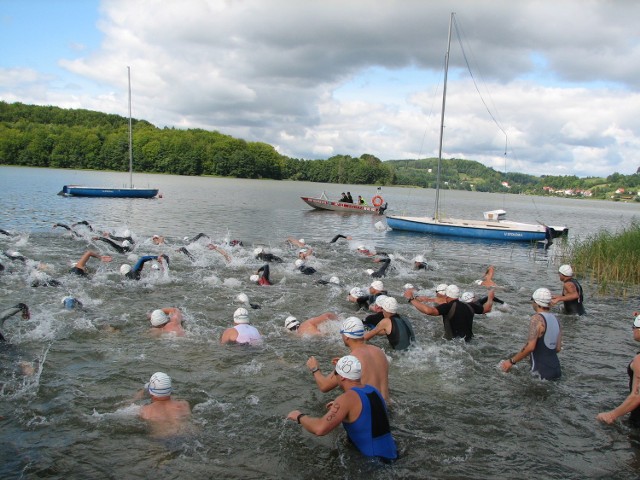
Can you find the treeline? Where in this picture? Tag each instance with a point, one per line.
(45, 136)
(48, 136)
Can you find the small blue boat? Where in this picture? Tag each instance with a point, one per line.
(81, 191)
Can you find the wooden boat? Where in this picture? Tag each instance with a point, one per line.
(323, 203)
(106, 192)
(493, 227)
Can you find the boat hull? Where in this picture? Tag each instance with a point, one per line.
(80, 191)
(489, 230)
(322, 204)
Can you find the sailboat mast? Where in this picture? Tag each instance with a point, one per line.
(436, 215)
(130, 133)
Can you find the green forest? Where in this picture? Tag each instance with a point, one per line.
(46, 136)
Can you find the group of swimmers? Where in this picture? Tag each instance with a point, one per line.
(362, 375)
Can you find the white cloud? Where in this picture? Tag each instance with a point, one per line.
(319, 78)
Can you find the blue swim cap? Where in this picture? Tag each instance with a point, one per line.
(69, 303)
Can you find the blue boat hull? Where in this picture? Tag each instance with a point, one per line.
(79, 191)
(481, 230)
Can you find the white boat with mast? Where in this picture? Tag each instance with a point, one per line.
(492, 227)
(124, 192)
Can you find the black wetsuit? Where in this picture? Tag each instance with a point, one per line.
(136, 271)
(14, 256)
(85, 223)
(401, 335)
(336, 238)
(197, 237)
(363, 302)
(371, 321)
(575, 307)
(544, 358)
(186, 252)
(457, 318)
(634, 418)
(382, 271)
(307, 270)
(4, 232)
(421, 266)
(372, 297)
(349, 198)
(118, 248)
(268, 257)
(263, 271)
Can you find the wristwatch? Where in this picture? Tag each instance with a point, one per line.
(512, 362)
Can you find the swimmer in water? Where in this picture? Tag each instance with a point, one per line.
(80, 267)
(297, 242)
(487, 279)
(397, 329)
(261, 277)
(167, 320)
(136, 272)
(242, 332)
(419, 263)
(299, 264)
(359, 297)
(309, 326)
(339, 236)
(10, 312)
(125, 247)
(382, 271)
(70, 303)
(260, 254)
(166, 417)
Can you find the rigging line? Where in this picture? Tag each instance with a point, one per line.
(466, 61)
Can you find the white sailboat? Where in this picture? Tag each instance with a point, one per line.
(124, 192)
(494, 226)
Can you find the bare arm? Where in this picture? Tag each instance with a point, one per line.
(632, 400)
(569, 292)
(383, 328)
(489, 303)
(338, 411)
(536, 328)
(229, 336)
(324, 383)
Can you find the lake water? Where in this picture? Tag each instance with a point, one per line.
(454, 414)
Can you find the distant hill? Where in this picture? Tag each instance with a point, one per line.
(47, 136)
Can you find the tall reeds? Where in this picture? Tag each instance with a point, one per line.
(609, 261)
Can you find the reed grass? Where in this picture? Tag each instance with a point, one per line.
(609, 261)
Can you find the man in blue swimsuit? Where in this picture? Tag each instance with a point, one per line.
(361, 410)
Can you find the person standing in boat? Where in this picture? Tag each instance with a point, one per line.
(631, 404)
(349, 198)
(544, 342)
(571, 292)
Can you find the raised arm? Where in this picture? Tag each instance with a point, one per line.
(324, 383)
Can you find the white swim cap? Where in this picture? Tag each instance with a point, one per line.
(419, 258)
(125, 268)
(452, 291)
(467, 297)
(377, 285)
(542, 297)
(357, 292)
(352, 327)
(370, 271)
(478, 282)
(441, 288)
(408, 286)
(241, 315)
(126, 233)
(349, 367)
(379, 300)
(389, 304)
(302, 241)
(361, 247)
(335, 280)
(243, 298)
(258, 251)
(298, 263)
(254, 278)
(159, 318)
(186, 239)
(291, 322)
(69, 302)
(155, 266)
(566, 270)
(126, 243)
(159, 385)
(636, 322)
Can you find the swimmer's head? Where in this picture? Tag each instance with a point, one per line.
(159, 318)
(377, 285)
(408, 286)
(155, 266)
(566, 270)
(159, 385)
(302, 241)
(419, 259)
(242, 298)
(126, 243)
(442, 288)
(379, 300)
(370, 271)
(334, 280)
(125, 268)
(254, 278)
(126, 233)
(291, 323)
(349, 367)
(241, 315)
(636, 322)
(452, 291)
(389, 304)
(357, 292)
(299, 263)
(258, 251)
(352, 327)
(542, 297)
(467, 297)
(69, 303)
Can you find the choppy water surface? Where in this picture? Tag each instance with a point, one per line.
(454, 415)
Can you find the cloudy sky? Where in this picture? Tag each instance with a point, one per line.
(555, 81)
